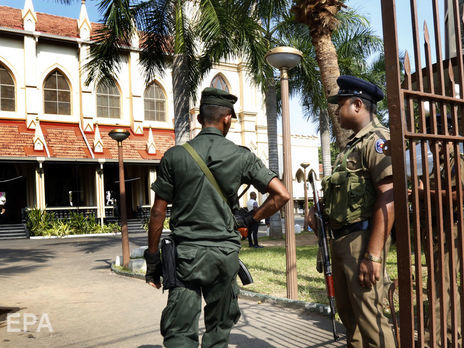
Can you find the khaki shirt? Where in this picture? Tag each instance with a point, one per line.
(350, 192)
(199, 215)
(368, 151)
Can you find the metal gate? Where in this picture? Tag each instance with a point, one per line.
(426, 108)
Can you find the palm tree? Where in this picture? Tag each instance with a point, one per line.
(188, 36)
(354, 42)
(320, 17)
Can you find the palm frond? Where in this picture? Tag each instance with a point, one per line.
(110, 39)
(155, 21)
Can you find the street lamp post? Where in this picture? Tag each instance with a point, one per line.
(305, 165)
(120, 135)
(284, 59)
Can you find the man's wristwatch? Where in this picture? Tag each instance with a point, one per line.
(372, 258)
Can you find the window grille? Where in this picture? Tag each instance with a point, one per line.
(108, 101)
(7, 91)
(155, 103)
(57, 95)
(220, 83)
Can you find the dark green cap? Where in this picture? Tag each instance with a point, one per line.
(215, 96)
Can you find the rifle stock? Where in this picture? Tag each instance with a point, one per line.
(324, 247)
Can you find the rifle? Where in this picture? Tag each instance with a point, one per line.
(323, 246)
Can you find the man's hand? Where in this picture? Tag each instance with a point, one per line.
(312, 222)
(369, 273)
(154, 270)
(157, 286)
(244, 218)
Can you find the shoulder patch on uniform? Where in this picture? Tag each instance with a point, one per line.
(379, 145)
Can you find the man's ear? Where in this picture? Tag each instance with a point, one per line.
(358, 103)
(200, 119)
(228, 119)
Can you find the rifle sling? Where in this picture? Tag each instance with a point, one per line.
(205, 170)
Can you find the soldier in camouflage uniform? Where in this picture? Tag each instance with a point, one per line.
(358, 205)
(202, 225)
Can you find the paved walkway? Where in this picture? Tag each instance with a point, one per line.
(67, 285)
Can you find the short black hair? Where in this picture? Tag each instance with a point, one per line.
(214, 113)
(368, 104)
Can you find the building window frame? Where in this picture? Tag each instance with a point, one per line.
(7, 90)
(155, 105)
(108, 100)
(57, 97)
(219, 81)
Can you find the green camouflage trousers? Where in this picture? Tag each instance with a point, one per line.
(207, 271)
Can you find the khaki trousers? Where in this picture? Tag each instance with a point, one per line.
(360, 309)
(207, 271)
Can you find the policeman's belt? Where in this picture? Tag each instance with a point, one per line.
(357, 226)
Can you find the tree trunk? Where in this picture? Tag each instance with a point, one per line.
(326, 56)
(325, 143)
(275, 228)
(181, 100)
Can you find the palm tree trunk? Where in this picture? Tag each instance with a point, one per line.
(275, 228)
(181, 100)
(325, 143)
(326, 56)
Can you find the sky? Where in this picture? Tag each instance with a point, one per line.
(371, 9)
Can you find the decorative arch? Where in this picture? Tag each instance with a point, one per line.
(220, 82)
(57, 93)
(155, 102)
(7, 89)
(108, 99)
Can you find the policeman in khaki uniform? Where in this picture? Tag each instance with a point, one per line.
(358, 205)
(203, 227)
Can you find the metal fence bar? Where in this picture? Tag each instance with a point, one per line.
(435, 205)
(460, 194)
(396, 109)
(411, 125)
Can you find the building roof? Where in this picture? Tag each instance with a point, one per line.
(46, 23)
(65, 141)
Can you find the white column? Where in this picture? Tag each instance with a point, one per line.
(100, 191)
(151, 180)
(40, 186)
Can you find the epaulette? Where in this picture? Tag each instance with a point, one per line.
(246, 148)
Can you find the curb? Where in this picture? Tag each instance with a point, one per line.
(77, 236)
(278, 301)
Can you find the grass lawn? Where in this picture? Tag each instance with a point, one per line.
(267, 266)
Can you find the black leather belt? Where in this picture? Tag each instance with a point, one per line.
(357, 226)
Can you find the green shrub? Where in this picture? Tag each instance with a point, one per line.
(38, 221)
(58, 228)
(43, 223)
(110, 228)
(165, 224)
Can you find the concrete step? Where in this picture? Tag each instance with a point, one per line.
(13, 231)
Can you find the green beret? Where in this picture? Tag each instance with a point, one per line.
(215, 96)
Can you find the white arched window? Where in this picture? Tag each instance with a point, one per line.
(108, 101)
(220, 83)
(57, 94)
(154, 101)
(7, 90)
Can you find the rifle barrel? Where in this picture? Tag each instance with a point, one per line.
(325, 253)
